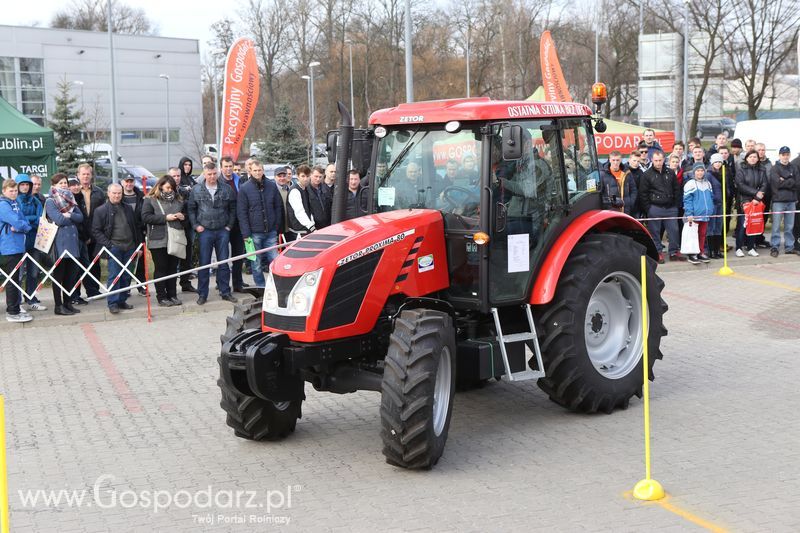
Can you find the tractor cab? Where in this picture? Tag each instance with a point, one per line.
(506, 176)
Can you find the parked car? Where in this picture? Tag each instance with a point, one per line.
(98, 151)
(713, 127)
(102, 174)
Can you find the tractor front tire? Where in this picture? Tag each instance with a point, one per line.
(418, 388)
(592, 330)
(251, 417)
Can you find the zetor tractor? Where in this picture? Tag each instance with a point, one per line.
(487, 251)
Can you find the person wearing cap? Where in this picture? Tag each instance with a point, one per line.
(31, 208)
(698, 206)
(284, 184)
(134, 197)
(736, 151)
(783, 182)
(13, 229)
(751, 184)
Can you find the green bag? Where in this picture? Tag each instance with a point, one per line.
(250, 248)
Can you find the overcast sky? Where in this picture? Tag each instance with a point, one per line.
(175, 18)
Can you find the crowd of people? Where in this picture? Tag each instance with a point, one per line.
(667, 191)
(183, 220)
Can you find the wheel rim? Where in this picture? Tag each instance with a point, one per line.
(281, 406)
(613, 325)
(441, 392)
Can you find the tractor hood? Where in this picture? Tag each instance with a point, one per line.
(334, 283)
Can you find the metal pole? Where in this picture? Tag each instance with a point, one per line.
(114, 175)
(798, 72)
(468, 50)
(597, 50)
(313, 114)
(409, 61)
(216, 107)
(685, 124)
(352, 101)
(641, 17)
(308, 102)
(166, 78)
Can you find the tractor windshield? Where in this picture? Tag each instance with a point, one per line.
(427, 167)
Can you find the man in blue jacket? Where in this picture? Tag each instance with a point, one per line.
(260, 212)
(13, 228)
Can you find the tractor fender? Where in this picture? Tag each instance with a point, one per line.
(596, 221)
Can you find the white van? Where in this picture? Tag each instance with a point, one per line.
(774, 133)
(98, 151)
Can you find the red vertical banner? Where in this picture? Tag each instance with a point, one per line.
(240, 96)
(555, 86)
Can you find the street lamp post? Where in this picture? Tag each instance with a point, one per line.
(352, 104)
(114, 173)
(165, 77)
(469, 35)
(215, 83)
(313, 118)
(409, 60)
(80, 84)
(685, 123)
(308, 102)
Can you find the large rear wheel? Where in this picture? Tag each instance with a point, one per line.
(418, 388)
(251, 417)
(592, 330)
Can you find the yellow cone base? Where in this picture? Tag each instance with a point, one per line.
(725, 271)
(648, 490)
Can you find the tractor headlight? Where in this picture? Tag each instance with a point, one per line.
(301, 299)
(299, 303)
(270, 294)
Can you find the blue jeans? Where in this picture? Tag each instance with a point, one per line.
(788, 225)
(671, 227)
(261, 241)
(114, 270)
(217, 240)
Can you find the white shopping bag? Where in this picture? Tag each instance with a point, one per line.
(690, 244)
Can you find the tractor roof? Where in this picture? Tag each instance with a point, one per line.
(467, 109)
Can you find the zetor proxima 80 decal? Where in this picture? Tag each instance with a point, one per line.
(480, 251)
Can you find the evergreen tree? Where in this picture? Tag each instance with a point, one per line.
(283, 143)
(67, 123)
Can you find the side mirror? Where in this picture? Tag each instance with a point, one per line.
(331, 144)
(600, 126)
(512, 142)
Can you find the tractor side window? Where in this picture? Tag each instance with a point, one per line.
(580, 161)
(529, 198)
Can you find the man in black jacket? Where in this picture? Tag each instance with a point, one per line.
(321, 203)
(212, 212)
(260, 212)
(783, 184)
(660, 195)
(114, 227)
(93, 198)
(134, 197)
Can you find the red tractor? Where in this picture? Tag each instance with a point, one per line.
(487, 252)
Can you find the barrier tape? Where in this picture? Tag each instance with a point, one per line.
(48, 274)
(717, 216)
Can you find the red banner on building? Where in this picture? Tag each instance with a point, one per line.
(555, 86)
(239, 97)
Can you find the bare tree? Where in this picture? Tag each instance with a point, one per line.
(765, 37)
(266, 21)
(92, 15)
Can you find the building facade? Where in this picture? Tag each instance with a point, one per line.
(151, 73)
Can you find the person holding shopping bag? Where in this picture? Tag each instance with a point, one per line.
(698, 206)
(62, 209)
(162, 212)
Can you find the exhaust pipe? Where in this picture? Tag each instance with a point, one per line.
(344, 150)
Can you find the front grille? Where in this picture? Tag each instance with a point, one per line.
(285, 323)
(347, 291)
(284, 285)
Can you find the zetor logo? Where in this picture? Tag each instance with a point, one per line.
(373, 247)
(412, 118)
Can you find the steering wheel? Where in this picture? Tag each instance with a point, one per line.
(459, 201)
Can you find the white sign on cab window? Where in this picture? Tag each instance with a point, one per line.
(518, 253)
(386, 196)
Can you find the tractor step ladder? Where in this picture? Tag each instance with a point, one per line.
(503, 340)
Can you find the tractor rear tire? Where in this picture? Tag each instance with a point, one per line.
(251, 417)
(418, 388)
(592, 330)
